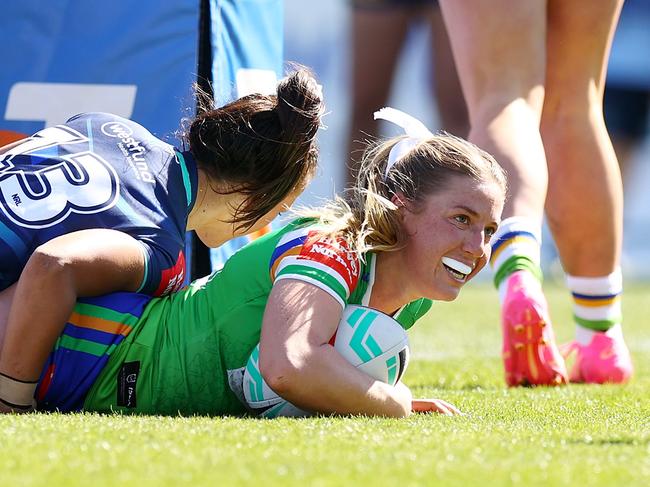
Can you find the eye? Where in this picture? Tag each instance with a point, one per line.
(464, 219)
(489, 232)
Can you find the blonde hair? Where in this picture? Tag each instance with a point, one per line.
(366, 219)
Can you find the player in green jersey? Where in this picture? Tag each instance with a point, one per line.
(415, 229)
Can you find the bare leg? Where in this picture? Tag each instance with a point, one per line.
(500, 52)
(448, 94)
(500, 61)
(585, 197)
(377, 38)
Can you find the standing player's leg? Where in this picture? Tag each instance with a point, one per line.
(585, 197)
(446, 85)
(377, 35)
(500, 51)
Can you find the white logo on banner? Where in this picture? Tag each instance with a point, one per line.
(54, 103)
(251, 81)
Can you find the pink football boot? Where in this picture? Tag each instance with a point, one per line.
(530, 355)
(605, 359)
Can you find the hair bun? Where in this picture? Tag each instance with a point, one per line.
(299, 106)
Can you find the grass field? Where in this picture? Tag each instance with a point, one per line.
(577, 435)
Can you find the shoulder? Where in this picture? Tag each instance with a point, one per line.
(303, 252)
(306, 242)
(110, 125)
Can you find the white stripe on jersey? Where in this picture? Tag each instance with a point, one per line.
(315, 282)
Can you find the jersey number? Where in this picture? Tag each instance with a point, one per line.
(81, 183)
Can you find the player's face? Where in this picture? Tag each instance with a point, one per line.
(447, 236)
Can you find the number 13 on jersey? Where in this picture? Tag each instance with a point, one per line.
(43, 195)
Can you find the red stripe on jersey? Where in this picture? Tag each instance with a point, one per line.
(335, 256)
(45, 382)
(172, 279)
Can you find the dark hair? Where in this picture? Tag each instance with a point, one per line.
(367, 220)
(262, 146)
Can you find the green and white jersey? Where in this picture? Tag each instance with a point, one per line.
(186, 345)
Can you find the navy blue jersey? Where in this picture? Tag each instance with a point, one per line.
(98, 170)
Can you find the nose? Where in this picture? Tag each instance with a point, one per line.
(477, 245)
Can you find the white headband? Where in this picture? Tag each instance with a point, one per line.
(416, 131)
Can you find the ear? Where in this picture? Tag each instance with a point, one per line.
(399, 200)
(402, 202)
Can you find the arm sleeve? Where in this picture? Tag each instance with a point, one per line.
(305, 256)
(163, 274)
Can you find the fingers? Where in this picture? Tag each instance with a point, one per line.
(435, 406)
(450, 408)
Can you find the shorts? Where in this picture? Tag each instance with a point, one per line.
(95, 328)
(379, 4)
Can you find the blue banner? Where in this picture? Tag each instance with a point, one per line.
(247, 42)
(247, 55)
(62, 57)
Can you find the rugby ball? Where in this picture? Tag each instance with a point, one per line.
(368, 339)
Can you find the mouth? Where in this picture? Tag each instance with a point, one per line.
(456, 269)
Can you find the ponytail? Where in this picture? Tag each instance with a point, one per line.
(260, 146)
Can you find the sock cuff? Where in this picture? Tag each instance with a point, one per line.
(516, 246)
(611, 284)
(518, 224)
(514, 264)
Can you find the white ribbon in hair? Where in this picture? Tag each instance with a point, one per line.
(416, 131)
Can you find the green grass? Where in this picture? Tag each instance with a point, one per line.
(577, 435)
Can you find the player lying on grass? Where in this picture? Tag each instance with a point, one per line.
(101, 205)
(416, 228)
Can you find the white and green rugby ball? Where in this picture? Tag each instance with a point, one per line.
(370, 340)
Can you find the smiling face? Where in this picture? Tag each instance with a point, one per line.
(447, 236)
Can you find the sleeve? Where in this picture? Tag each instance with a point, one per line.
(304, 255)
(163, 274)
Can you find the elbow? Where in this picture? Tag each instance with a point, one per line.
(279, 372)
(46, 267)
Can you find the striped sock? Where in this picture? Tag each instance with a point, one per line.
(515, 247)
(596, 303)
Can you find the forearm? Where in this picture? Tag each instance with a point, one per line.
(84, 263)
(323, 381)
(6, 296)
(43, 302)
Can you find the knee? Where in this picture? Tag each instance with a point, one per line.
(520, 108)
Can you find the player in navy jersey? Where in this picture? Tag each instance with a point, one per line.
(99, 204)
(97, 171)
